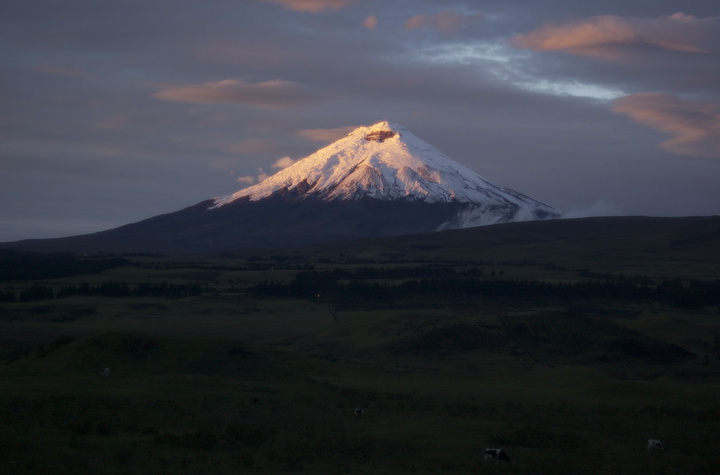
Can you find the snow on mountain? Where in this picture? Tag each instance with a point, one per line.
(387, 162)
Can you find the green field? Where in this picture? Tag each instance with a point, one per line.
(568, 346)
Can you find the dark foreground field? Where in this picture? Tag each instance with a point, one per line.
(568, 347)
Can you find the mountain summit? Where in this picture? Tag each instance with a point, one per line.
(386, 162)
(378, 181)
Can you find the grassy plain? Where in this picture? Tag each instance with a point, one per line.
(233, 381)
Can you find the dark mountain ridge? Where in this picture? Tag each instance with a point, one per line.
(273, 223)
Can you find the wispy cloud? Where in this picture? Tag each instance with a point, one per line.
(325, 135)
(695, 126)
(312, 6)
(276, 94)
(279, 164)
(251, 146)
(282, 163)
(64, 71)
(601, 207)
(446, 21)
(247, 179)
(606, 35)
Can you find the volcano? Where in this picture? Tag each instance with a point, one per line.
(386, 162)
(380, 180)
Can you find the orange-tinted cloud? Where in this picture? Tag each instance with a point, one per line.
(603, 35)
(446, 21)
(325, 135)
(252, 146)
(312, 6)
(282, 163)
(694, 125)
(266, 95)
(370, 22)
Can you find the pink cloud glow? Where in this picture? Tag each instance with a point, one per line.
(695, 126)
(595, 36)
(312, 6)
(274, 94)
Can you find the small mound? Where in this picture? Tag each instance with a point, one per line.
(449, 338)
(649, 350)
(558, 334)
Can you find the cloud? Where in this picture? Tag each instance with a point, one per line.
(118, 122)
(695, 126)
(262, 175)
(282, 163)
(252, 146)
(276, 94)
(312, 6)
(605, 35)
(325, 135)
(64, 71)
(370, 22)
(246, 179)
(599, 208)
(446, 21)
(279, 164)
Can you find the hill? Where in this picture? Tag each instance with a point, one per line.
(684, 246)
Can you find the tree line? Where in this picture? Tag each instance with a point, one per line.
(22, 265)
(392, 273)
(105, 289)
(326, 286)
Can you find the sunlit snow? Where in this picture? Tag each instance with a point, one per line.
(387, 162)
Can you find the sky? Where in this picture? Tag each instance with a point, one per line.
(114, 112)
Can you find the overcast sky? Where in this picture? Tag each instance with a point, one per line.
(116, 111)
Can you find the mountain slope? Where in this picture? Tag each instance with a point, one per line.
(272, 223)
(378, 181)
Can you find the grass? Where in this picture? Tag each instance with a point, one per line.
(204, 404)
(226, 382)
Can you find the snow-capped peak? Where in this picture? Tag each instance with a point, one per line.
(384, 161)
